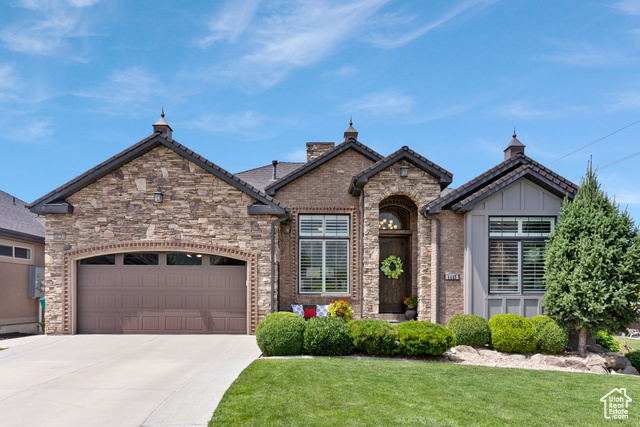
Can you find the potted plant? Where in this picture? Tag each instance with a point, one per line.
(411, 311)
(340, 308)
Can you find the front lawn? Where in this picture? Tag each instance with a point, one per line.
(337, 391)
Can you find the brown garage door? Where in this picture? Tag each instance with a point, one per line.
(161, 293)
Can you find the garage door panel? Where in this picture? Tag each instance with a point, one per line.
(161, 299)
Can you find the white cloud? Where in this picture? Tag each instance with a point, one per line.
(126, 89)
(382, 103)
(34, 131)
(397, 40)
(48, 33)
(231, 22)
(8, 79)
(632, 7)
(228, 123)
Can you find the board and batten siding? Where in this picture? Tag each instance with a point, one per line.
(521, 198)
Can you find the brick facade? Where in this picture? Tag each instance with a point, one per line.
(117, 214)
(451, 260)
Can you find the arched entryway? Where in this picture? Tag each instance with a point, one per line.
(397, 224)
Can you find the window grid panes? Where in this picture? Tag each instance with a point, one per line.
(516, 263)
(324, 254)
(15, 252)
(184, 259)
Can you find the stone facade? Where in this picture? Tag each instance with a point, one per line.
(117, 214)
(421, 188)
(323, 190)
(451, 261)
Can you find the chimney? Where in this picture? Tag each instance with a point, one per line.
(162, 126)
(275, 164)
(317, 149)
(514, 147)
(350, 134)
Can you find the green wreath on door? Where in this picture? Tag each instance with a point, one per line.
(386, 267)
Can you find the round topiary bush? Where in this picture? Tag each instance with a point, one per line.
(470, 330)
(423, 338)
(281, 334)
(513, 334)
(376, 337)
(327, 336)
(552, 339)
(634, 358)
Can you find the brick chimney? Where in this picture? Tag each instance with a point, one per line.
(317, 149)
(514, 147)
(162, 126)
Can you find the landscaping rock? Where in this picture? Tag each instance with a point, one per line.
(554, 361)
(465, 349)
(491, 354)
(593, 359)
(536, 358)
(518, 357)
(597, 369)
(614, 372)
(630, 370)
(616, 361)
(597, 348)
(575, 362)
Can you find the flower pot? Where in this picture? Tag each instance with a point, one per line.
(411, 313)
(340, 313)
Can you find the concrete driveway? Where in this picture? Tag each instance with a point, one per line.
(118, 380)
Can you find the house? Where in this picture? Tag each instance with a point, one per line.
(21, 249)
(158, 239)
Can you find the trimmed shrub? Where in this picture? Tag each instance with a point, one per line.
(540, 321)
(606, 340)
(511, 333)
(470, 330)
(422, 338)
(634, 358)
(327, 336)
(281, 334)
(376, 337)
(552, 339)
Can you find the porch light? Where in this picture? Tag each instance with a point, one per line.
(404, 170)
(158, 196)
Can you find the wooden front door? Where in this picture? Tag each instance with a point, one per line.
(392, 290)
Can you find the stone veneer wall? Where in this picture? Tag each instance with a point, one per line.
(117, 214)
(421, 188)
(451, 260)
(323, 190)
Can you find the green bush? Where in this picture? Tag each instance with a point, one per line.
(552, 339)
(422, 338)
(470, 330)
(606, 340)
(540, 321)
(327, 336)
(634, 358)
(513, 334)
(376, 337)
(281, 334)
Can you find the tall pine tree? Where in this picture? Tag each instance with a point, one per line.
(592, 264)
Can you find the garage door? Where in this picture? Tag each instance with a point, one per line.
(161, 293)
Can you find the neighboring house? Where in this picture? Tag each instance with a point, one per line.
(21, 247)
(158, 239)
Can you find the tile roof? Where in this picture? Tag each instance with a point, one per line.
(137, 150)
(261, 177)
(320, 160)
(16, 219)
(509, 166)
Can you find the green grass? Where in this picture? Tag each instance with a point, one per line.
(633, 343)
(346, 392)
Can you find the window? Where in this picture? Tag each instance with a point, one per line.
(223, 260)
(99, 260)
(516, 254)
(184, 259)
(140, 259)
(394, 218)
(15, 252)
(324, 254)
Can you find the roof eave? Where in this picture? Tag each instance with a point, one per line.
(17, 235)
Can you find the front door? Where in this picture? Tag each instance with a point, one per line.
(393, 290)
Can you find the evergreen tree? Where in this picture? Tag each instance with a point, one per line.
(592, 264)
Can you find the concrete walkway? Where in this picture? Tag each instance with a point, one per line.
(118, 380)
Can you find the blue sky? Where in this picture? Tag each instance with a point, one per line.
(244, 82)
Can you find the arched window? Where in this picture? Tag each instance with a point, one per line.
(394, 218)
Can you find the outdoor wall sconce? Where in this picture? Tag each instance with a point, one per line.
(158, 196)
(404, 170)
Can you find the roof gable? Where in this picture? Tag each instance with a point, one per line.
(17, 222)
(351, 143)
(464, 197)
(443, 176)
(54, 202)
